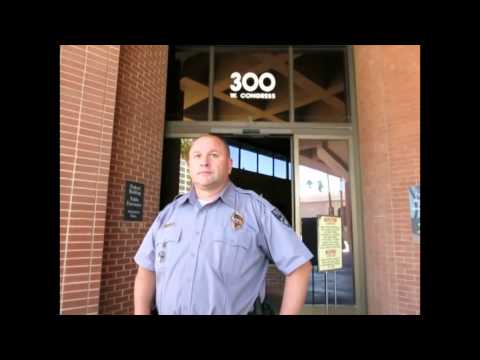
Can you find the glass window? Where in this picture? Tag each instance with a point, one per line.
(251, 84)
(234, 152)
(280, 168)
(265, 165)
(319, 84)
(187, 83)
(248, 160)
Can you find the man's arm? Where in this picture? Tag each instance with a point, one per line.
(144, 291)
(295, 290)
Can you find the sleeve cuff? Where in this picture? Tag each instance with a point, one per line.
(296, 264)
(144, 264)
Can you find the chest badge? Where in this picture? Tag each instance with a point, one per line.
(237, 220)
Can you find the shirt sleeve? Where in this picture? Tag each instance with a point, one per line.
(280, 241)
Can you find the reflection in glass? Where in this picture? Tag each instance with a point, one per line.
(234, 153)
(250, 71)
(319, 85)
(184, 179)
(280, 168)
(248, 160)
(265, 165)
(251, 84)
(187, 83)
(324, 191)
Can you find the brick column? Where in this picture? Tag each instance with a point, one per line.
(88, 77)
(388, 94)
(136, 156)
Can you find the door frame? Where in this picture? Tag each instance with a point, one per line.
(297, 133)
(359, 307)
(345, 131)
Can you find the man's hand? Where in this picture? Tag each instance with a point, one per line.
(144, 291)
(295, 290)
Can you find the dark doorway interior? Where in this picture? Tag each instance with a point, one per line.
(275, 189)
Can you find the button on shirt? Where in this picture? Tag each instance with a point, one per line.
(204, 264)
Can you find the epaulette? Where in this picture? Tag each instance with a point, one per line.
(178, 196)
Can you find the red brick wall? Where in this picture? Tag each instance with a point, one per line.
(136, 156)
(88, 76)
(275, 281)
(388, 95)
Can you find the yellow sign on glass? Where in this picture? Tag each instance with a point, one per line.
(329, 236)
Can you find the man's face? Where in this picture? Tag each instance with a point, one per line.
(209, 163)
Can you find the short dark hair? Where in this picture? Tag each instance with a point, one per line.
(222, 140)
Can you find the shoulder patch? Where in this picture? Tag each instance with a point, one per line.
(280, 216)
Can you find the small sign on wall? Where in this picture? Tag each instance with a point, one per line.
(133, 201)
(415, 210)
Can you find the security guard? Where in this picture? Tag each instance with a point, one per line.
(207, 251)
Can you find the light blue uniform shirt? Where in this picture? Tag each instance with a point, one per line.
(203, 265)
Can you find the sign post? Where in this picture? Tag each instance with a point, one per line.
(329, 232)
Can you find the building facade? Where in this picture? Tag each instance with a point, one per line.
(320, 131)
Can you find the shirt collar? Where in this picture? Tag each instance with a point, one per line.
(227, 195)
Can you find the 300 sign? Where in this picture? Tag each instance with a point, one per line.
(240, 81)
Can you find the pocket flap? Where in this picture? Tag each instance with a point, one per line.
(168, 234)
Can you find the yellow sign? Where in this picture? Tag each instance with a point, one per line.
(329, 234)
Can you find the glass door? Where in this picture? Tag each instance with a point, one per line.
(324, 218)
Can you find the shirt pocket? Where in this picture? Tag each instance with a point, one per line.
(230, 250)
(167, 240)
